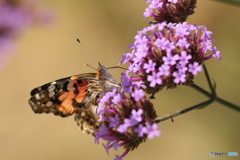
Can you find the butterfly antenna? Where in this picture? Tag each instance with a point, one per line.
(86, 53)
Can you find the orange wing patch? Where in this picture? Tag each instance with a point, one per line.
(72, 99)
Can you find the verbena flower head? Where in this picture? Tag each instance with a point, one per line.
(170, 10)
(15, 17)
(167, 55)
(127, 120)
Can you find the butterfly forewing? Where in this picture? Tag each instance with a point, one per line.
(61, 97)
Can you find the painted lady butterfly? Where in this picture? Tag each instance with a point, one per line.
(76, 94)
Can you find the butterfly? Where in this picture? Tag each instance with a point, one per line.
(77, 95)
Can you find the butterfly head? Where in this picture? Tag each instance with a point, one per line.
(106, 79)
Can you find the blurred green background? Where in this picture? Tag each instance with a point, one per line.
(106, 27)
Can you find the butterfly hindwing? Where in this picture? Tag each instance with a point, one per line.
(62, 97)
(87, 119)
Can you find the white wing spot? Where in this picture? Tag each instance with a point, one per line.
(51, 88)
(37, 96)
(83, 114)
(53, 83)
(49, 103)
(51, 94)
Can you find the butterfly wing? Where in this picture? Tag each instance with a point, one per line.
(62, 97)
(87, 119)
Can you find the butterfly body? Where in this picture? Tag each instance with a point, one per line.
(76, 94)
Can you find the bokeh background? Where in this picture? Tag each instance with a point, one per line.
(106, 27)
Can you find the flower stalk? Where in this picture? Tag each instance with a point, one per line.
(212, 98)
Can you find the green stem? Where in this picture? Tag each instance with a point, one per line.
(208, 80)
(171, 116)
(212, 97)
(218, 99)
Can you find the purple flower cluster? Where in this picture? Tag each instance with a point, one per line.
(126, 120)
(167, 55)
(170, 10)
(16, 16)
